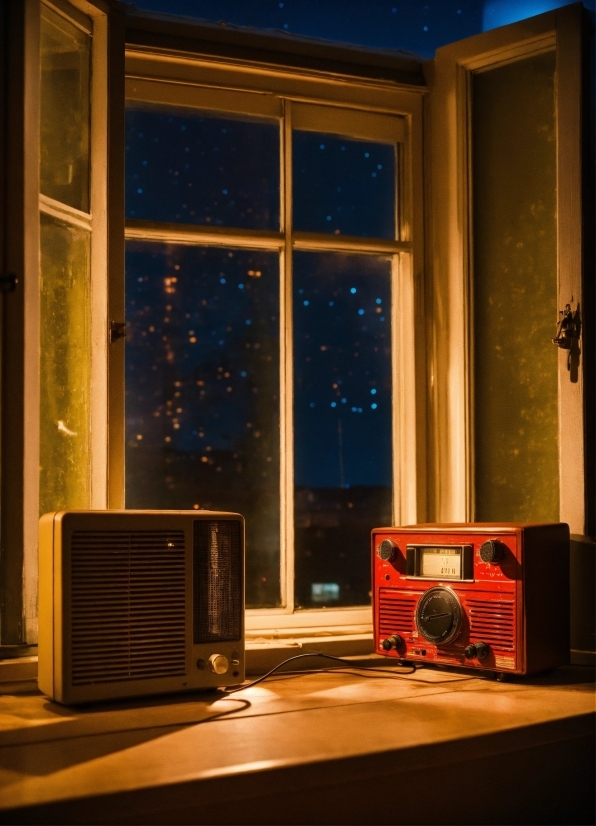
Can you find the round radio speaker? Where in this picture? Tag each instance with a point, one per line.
(439, 615)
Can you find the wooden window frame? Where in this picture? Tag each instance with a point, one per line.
(20, 311)
(157, 73)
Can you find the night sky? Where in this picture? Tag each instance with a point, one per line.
(418, 26)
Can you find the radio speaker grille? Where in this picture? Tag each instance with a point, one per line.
(492, 622)
(128, 605)
(217, 581)
(396, 613)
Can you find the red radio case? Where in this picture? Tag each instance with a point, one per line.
(479, 595)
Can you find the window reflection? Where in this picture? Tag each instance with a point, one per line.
(64, 111)
(515, 291)
(65, 366)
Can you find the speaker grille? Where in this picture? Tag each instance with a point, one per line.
(217, 580)
(128, 605)
(396, 613)
(492, 622)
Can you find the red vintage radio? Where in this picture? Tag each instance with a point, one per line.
(486, 596)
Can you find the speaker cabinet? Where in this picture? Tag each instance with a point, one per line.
(134, 603)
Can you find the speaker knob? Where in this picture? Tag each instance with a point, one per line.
(478, 650)
(218, 663)
(387, 550)
(492, 551)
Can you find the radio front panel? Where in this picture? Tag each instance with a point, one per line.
(459, 595)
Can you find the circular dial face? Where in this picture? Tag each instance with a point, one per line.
(439, 615)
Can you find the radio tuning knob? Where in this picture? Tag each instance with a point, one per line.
(394, 641)
(218, 663)
(477, 650)
(492, 551)
(387, 550)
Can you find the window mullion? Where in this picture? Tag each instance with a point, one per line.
(286, 370)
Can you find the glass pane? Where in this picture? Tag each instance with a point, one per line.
(65, 367)
(515, 292)
(342, 186)
(202, 391)
(202, 170)
(342, 422)
(65, 107)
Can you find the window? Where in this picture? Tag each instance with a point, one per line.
(291, 319)
(269, 249)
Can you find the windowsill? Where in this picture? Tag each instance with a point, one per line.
(263, 652)
(316, 748)
(266, 650)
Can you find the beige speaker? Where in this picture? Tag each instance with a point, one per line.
(133, 603)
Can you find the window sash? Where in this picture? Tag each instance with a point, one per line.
(155, 80)
(451, 408)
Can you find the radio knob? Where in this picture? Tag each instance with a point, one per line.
(477, 650)
(218, 663)
(387, 550)
(492, 551)
(394, 641)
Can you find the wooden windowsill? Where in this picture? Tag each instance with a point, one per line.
(316, 748)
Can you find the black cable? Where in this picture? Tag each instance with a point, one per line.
(346, 671)
(327, 657)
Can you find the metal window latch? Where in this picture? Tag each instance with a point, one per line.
(8, 282)
(568, 328)
(117, 330)
(568, 331)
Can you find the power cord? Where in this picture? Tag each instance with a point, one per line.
(345, 662)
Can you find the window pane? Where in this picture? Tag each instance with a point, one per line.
(342, 186)
(202, 391)
(202, 170)
(65, 107)
(515, 292)
(65, 367)
(342, 422)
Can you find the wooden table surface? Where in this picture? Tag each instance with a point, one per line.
(333, 747)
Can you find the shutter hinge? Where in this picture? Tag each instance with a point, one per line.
(117, 330)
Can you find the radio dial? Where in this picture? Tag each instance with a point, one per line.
(439, 615)
(492, 551)
(387, 550)
(478, 650)
(218, 663)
